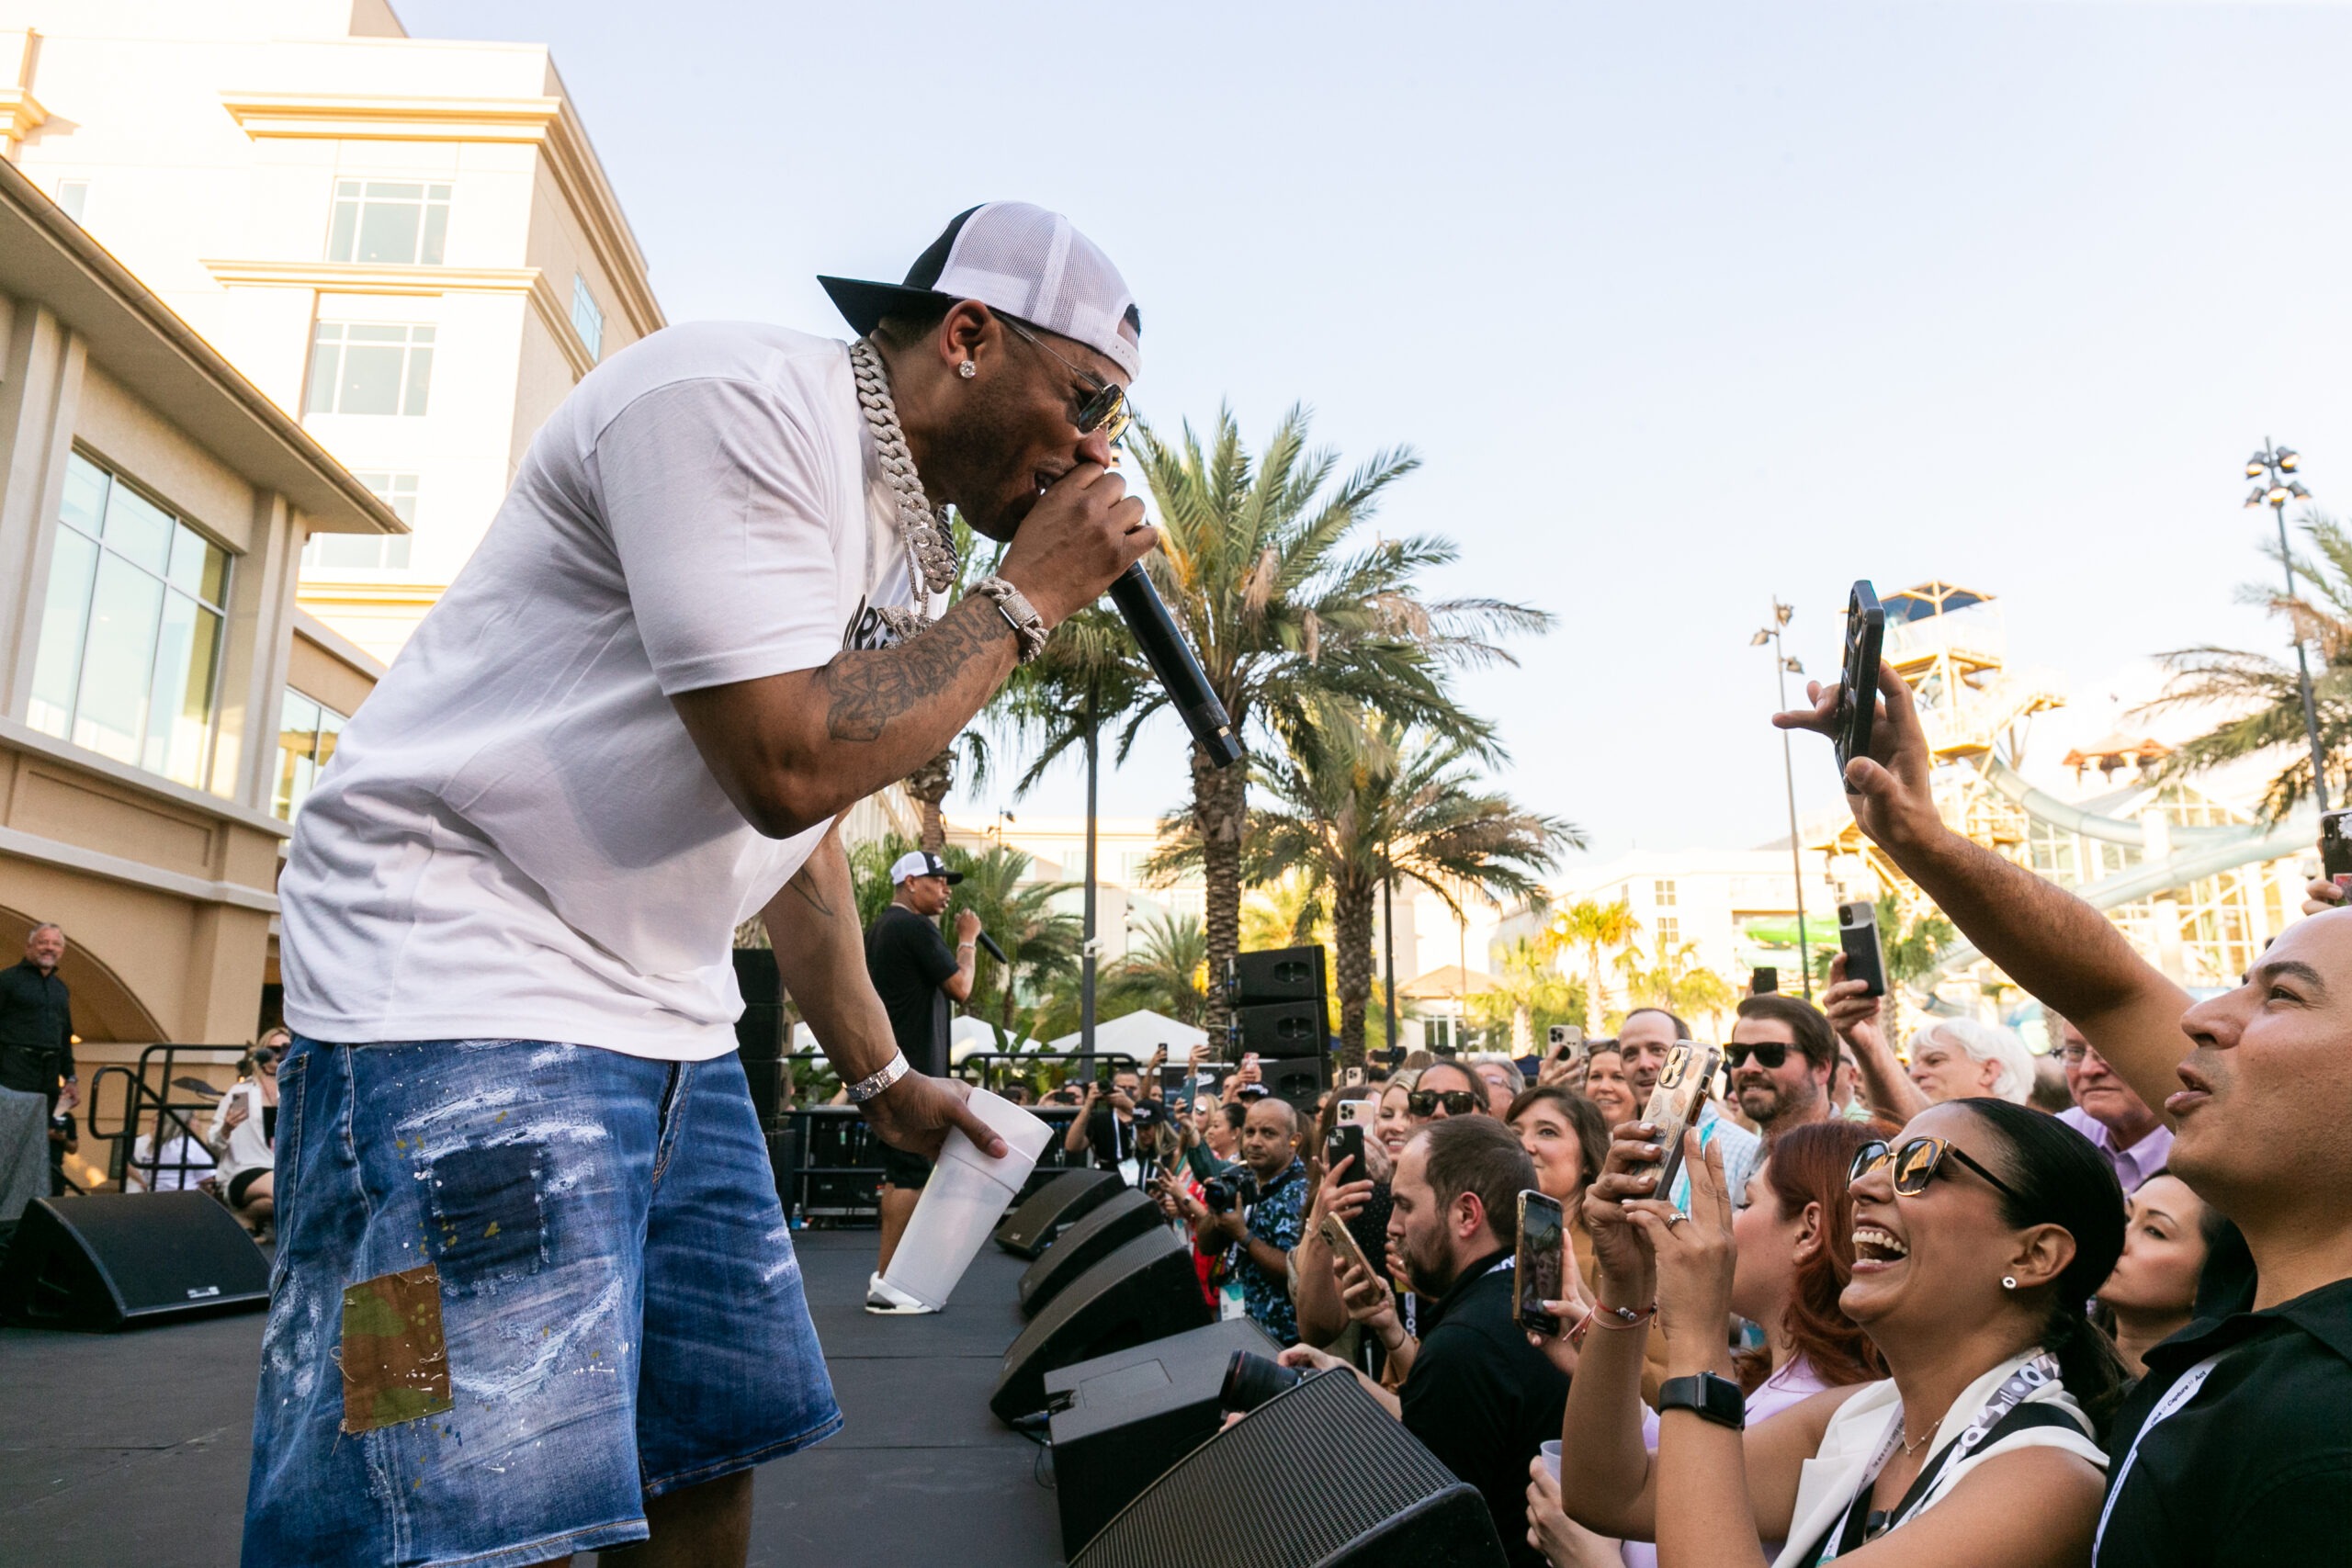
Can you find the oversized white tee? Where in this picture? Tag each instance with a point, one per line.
(516, 838)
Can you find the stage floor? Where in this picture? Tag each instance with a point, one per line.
(134, 1448)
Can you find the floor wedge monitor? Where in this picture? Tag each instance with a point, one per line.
(1119, 1421)
(1107, 1227)
(116, 1260)
(1053, 1208)
(1145, 1289)
(1319, 1476)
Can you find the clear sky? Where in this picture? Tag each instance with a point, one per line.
(1684, 306)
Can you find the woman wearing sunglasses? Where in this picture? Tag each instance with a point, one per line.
(1447, 1089)
(243, 1136)
(1978, 1235)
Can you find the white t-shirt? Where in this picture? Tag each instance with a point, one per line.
(516, 838)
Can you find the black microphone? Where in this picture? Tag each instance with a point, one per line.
(988, 942)
(1180, 673)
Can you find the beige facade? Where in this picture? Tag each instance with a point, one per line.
(408, 245)
(152, 503)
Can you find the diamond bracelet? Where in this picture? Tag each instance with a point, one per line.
(1028, 626)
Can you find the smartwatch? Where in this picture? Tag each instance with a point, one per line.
(1714, 1398)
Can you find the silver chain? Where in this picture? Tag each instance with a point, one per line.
(931, 544)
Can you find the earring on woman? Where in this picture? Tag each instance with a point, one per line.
(967, 370)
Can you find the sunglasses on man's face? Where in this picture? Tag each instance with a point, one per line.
(1425, 1101)
(1105, 407)
(1916, 1163)
(1767, 1057)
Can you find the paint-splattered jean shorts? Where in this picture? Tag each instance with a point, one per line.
(519, 1287)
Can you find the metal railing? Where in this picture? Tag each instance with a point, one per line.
(167, 1105)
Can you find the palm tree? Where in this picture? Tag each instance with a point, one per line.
(1166, 970)
(2264, 693)
(1287, 911)
(1593, 929)
(1262, 566)
(1675, 979)
(1040, 942)
(1533, 995)
(1359, 801)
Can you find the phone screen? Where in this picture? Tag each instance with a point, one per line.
(1543, 1247)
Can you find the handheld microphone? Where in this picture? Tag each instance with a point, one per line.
(1180, 673)
(987, 945)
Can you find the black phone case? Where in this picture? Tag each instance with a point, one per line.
(1858, 684)
(1858, 934)
(1344, 1141)
(2334, 845)
(1525, 1280)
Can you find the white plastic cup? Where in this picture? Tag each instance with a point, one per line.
(1551, 1452)
(964, 1200)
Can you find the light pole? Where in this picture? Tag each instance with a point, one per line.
(1782, 668)
(2269, 468)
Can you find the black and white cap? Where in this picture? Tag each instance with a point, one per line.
(1021, 261)
(921, 863)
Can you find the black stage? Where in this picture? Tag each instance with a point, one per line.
(132, 1447)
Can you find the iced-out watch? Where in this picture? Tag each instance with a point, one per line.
(1717, 1399)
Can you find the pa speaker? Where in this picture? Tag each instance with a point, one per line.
(1053, 1208)
(1121, 1420)
(1299, 1079)
(1108, 1226)
(1318, 1475)
(1145, 1289)
(1278, 1029)
(115, 1259)
(1279, 975)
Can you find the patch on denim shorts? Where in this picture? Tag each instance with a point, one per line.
(487, 1223)
(395, 1367)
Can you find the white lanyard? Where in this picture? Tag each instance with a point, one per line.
(2174, 1397)
(2040, 1371)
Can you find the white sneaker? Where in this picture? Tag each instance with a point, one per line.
(883, 1298)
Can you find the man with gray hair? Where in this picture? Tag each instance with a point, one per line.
(1954, 1059)
(36, 1068)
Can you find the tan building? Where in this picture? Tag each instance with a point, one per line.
(152, 506)
(408, 245)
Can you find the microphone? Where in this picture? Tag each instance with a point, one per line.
(988, 945)
(1180, 673)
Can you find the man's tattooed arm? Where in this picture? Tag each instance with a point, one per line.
(867, 689)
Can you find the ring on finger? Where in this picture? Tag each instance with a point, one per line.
(1675, 1219)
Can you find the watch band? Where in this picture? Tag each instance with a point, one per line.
(874, 1083)
(1706, 1396)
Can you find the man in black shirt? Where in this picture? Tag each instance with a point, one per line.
(36, 1060)
(2235, 1449)
(916, 976)
(1479, 1396)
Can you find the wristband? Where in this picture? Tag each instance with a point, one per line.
(1028, 626)
(1610, 1317)
(874, 1083)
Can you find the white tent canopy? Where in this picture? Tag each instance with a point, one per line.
(966, 1035)
(1138, 1034)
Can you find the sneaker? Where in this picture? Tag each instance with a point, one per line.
(886, 1299)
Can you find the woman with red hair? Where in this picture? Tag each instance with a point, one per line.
(1795, 1241)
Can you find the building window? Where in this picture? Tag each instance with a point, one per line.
(129, 652)
(73, 195)
(306, 737)
(1669, 933)
(389, 220)
(586, 319)
(369, 552)
(364, 368)
(1663, 893)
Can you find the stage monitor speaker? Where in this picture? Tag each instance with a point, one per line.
(1110, 1225)
(1319, 1476)
(1278, 1029)
(1119, 1421)
(1277, 974)
(116, 1259)
(1144, 1291)
(1053, 1208)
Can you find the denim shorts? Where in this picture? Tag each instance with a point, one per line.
(520, 1286)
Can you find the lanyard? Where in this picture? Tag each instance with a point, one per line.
(2037, 1372)
(2174, 1397)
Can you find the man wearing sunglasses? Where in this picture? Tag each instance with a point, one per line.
(1781, 1057)
(2235, 1447)
(710, 616)
(1447, 1089)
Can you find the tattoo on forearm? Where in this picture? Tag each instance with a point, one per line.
(871, 689)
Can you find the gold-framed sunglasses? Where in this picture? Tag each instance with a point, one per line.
(1916, 1162)
(1105, 407)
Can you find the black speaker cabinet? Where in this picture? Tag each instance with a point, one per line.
(1110, 1225)
(1299, 1079)
(1147, 1289)
(1277, 974)
(1119, 1421)
(1319, 1476)
(116, 1259)
(1278, 1029)
(1053, 1208)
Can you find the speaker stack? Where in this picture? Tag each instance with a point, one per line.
(1280, 1001)
(1318, 1474)
(1052, 1209)
(1107, 1227)
(117, 1261)
(1145, 1289)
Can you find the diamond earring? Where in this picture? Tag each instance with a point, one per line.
(2008, 1282)
(967, 370)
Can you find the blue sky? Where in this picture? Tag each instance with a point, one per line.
(1683, 306)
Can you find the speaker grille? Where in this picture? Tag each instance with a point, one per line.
(1292, 1485)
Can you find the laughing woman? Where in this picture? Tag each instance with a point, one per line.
(1977, 1237)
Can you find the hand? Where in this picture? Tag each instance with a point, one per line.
(1366, 1297)
(1563, 1542)
(1621, 1251)
(1338, 1200)
(915, 1113)
(1888, 789)
(1158, 1059)
(1085, 530)
(1557, 1070)
(967, 927)
(1307, 1359)
(1694, 1259)
(1850, 1012)
(2321, 895)
(235, 1116)
(69, 1094)
(1193, 1061)
(1250, 1071)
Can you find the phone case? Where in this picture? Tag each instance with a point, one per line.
(2335, 844)
(1539, 1270)
(1343, 1241)
(1858, 935)
(1682, 1089)
(1858, 684)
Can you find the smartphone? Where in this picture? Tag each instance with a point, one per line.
(1562, 1040)
(1763, 979)
(1543, 1253)
(1171, 1083)
(1346, 1141)
(1355, 1112)
(1351, 1078)
(1342, 1243)
(1682, 1088)
(1858, 934)
(2335, 846)
(1849, 730)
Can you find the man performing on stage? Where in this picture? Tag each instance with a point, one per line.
(534, 1293)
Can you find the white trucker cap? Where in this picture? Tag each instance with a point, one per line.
(1020, 261)
(921, 863)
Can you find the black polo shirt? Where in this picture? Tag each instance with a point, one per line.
(908, 961)
(1484, 1400)
(2255, 1467)
(36, 1029)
